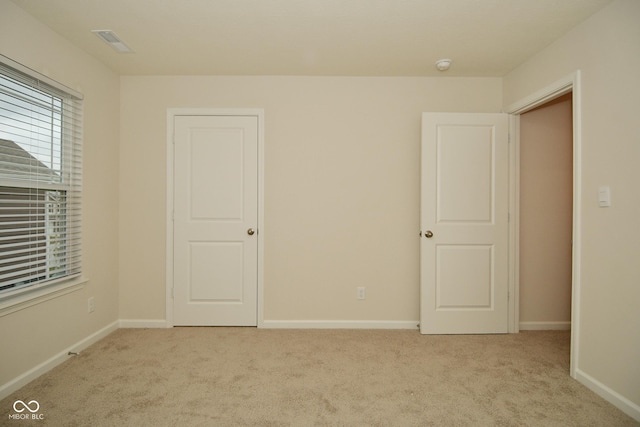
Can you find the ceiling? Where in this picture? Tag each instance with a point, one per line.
(314, 37)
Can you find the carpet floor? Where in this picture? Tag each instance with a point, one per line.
(267, 377)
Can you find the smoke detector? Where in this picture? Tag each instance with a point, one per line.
(443, 64)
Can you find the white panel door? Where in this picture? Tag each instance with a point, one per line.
(464, 224)
(215, 220)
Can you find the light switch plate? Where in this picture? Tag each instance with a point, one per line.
(604, 196)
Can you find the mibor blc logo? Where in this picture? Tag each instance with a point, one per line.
(26, 411)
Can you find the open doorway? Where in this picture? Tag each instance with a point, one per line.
(546, 215)
(570, 84)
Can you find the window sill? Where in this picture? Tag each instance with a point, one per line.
(24, 298)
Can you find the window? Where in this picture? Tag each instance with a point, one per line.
(40, 181)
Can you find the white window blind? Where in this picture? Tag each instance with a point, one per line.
(40, 181)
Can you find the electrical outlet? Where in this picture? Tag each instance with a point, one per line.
(91, 305)
(360, 292)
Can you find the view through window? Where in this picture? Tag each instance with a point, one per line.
(40, 182)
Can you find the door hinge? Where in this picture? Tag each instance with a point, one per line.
(172, 294)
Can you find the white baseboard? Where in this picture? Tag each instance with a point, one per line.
(142, 323)
(616, 399)
(33, 373)
(545, 326)
(340, 324)
(292, 324)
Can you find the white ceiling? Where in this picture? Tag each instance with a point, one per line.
(314, 37)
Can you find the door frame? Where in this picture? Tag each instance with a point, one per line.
(570, 83)
(171, 114)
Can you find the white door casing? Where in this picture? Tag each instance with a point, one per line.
(215, 220)
(464, 208)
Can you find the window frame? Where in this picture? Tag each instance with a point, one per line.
(40, 291)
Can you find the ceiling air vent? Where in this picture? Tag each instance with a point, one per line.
(112, 40)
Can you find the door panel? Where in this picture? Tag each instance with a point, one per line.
(215, 203)
(216, 281)
(464, 277)
(464, 265)
(216, 172)
(464, 152)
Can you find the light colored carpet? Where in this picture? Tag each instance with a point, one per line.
(248, 376)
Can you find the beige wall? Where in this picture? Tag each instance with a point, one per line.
(342, 162)
(35, 334)
(606, 48)
(546, 214)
